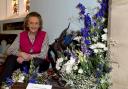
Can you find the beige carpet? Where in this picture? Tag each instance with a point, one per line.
(119, 52)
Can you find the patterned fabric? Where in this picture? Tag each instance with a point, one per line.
(14, 48)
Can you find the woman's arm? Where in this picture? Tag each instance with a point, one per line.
(14, 48)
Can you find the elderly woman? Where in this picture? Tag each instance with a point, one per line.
(32, 43)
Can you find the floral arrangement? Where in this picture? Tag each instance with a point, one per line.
(26, 75)
(85, 63)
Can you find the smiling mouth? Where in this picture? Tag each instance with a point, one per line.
(33, 28)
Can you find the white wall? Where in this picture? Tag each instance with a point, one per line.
(2, 9)
(55, 14)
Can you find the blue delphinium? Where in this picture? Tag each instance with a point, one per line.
(9, 82)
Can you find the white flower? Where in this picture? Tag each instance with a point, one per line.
(104, 37)
(69, 65)
(68, 69)
(78, 38)
(93, 46)
(60, 60)
(103, 19)
(21, 78)
(95, 39)
(5, 87)
(105, 30)
(57, 67)
(75, 67)
(80, 71)
(102, 81)
(70, 82)
(59, 63)
(96, 50)
(105, 48)
(100, 45)
(72, 59)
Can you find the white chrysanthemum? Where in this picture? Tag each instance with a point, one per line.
(80, 71)
(69, 65)
(105, 30)
(104, 37)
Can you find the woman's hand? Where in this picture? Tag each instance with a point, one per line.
(25, 56)
(20, 60)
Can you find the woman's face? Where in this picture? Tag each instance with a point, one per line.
(33, 24)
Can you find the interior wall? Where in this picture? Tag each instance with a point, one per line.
(2, 9)
(55, 14)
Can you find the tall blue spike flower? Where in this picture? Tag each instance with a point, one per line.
(85, 32)
(81, 7)
(87, 20)
(103, 9)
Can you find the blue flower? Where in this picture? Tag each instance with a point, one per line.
(33, 81)
(86, 50)
(87, 42)
(87, 21)
(82, 12)
(85, 32)
(33, 78)
(104, 7)
(100, 66)
(101, 27)
(25, 69)
(98, 74)
(81, 7)
(9, 81)
(68, 39)
(94, 23)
